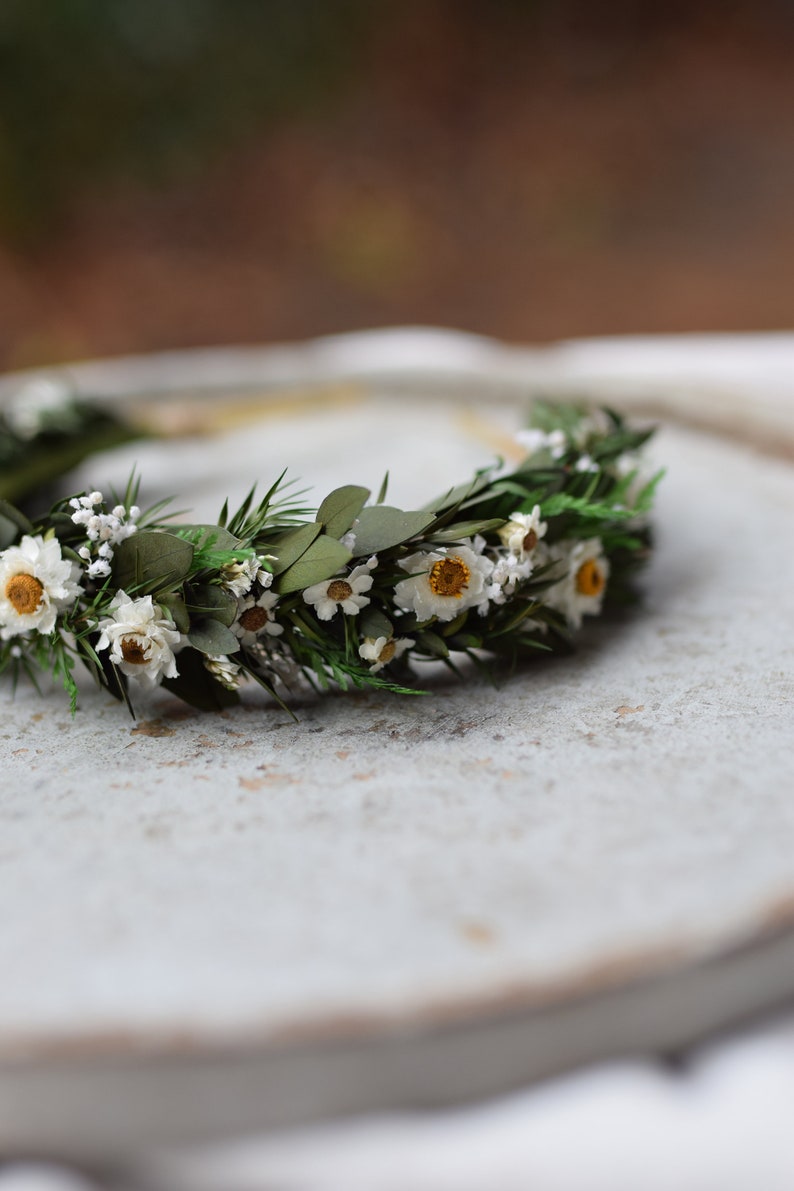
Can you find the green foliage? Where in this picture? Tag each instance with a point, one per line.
(462, 530)
(210, 539)
(151, 562)
(103, 671)
(208, 599)
(322, 559)
(28, 465)
(431, 644)
(290, 546)
(196, 686)
(339, 510)
(175, 606)
(277, 510)
(456, 498)
(212, 637)
(381, 527)
(14, 521)
(9, 531)
(580, 483)
(372, 622)
(63, 667)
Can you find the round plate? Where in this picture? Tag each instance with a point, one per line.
(219, 923)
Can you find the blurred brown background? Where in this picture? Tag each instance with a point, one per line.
(225, 171)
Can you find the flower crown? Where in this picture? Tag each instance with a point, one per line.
(352, 594)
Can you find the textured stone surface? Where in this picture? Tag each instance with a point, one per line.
(241, 876)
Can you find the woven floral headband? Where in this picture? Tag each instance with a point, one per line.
(355, 594)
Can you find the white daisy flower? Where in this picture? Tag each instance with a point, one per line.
(238, 577)
(379, 651)
(443, 582)
(521, 534)
(36, 583)
(224, 671)
(581, 592)
(255, 617)
(140, 638)
(346, 593)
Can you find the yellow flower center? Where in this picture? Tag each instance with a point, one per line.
(530, 541)
(387, 653)
(449, 577)
(133, 650)
(590, 579)
(24, 592)
(254, 619)
(339, 590)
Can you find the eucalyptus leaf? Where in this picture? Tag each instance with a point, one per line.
(8, 532)
(211, 637)
(322, 560)
(466, 529)
(208, 599)
(372, 623)
(17, 518)
(151, 561)
(179, 613)
(340, 508)
(468, 641)
(381, 527)
(408, 623)
(289, 547)
(455, 625)
(427, 642)
(196, 686)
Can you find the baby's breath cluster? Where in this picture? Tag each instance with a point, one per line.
(103, 529)
(355, 593)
